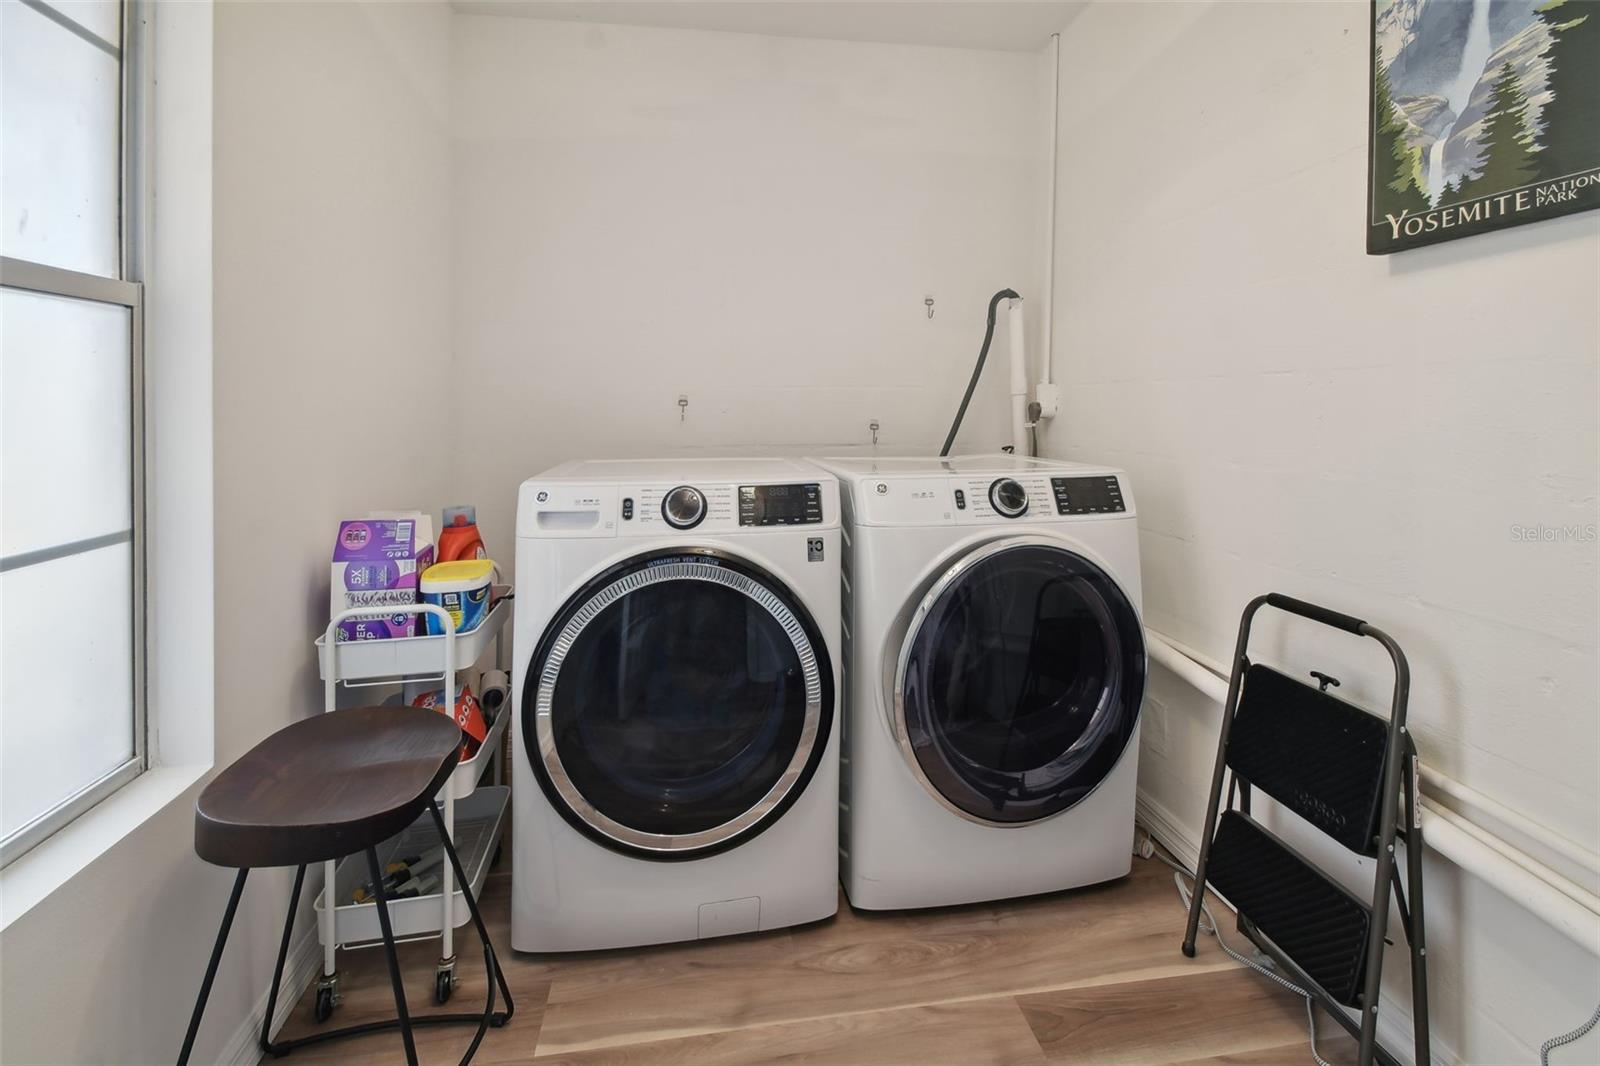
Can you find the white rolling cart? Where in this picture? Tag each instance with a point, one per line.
(473, 816)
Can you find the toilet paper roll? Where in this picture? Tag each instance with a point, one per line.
(495, 692)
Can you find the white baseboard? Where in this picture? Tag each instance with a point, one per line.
(303, 964)
(1168, 830)
(1394, 1019)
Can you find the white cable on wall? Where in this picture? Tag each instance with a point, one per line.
(1047, 370)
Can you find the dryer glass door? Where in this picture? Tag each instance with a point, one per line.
(1019, 683)
(678, 704)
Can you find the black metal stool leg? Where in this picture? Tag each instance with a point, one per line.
(283, 955)
(211, 969)
(493, 974)
(381, 897)
(472, 907)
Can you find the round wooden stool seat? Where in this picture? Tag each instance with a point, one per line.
(326, 787)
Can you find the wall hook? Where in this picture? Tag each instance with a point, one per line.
(683, 407)
(873, 425)
(928, 302)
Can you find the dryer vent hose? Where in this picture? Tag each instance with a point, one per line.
(977, 371)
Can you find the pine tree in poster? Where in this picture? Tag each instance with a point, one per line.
(1571, 120)
(1509, 151)
(1394, 159)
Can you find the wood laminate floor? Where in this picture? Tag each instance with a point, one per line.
(1090, 976)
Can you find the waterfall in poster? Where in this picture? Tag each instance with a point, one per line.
(1474, 56)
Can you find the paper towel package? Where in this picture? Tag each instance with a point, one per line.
(377, 561)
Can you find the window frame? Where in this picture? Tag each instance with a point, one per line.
(125, 291)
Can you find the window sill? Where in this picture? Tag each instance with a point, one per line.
(42, 871)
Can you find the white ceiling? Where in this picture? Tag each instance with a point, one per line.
(996, 24)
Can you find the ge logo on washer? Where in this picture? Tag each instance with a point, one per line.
(543, 496)
(883, 488)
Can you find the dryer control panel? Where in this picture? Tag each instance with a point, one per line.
(1088, 495)
(1021, 498)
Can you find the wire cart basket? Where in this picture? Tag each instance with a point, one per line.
(474, 816)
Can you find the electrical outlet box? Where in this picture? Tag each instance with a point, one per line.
(1048, 396)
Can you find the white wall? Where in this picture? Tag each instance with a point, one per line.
(334, 255)
(751, 221)
(1362, 432)
(332, 305)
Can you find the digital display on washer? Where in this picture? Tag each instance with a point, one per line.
(1087, 495)
(780, 505)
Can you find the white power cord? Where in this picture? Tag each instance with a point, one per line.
(1567, 1038)
(1184, 893)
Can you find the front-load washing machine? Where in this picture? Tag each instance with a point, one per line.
(676, 755)
(995, 667)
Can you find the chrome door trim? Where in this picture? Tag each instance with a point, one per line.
(683, 570)
(951, 575)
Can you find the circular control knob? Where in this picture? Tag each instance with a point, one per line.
(684, 507)
(1009, 499)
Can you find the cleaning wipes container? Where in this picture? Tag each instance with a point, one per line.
(462, 589)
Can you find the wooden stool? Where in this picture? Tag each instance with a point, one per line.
(321, 789)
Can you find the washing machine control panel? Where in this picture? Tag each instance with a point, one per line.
(1088, 495)
(690, 507)
(683, 508)
(780, 505)
(1008, 498)
(998, 497)
(669, 508)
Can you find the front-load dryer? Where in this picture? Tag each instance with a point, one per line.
(675, 773)
(995, 671)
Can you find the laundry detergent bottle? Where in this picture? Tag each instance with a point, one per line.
(459, 537)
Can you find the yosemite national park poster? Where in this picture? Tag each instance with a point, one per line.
(1484, 114)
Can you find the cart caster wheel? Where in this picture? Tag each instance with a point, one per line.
(324, 1005)
(443, 984)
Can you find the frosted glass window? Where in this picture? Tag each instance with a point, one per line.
(66, 422)
(60, 145)
(72, 724)
(66, 676)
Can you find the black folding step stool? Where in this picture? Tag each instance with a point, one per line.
(1345, 771)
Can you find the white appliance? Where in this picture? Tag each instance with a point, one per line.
(995, 668)
(676, 742)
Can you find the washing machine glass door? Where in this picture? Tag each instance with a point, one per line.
(678, 704)
(1019, 683)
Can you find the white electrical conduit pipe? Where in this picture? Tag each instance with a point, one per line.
(1567, 887)
(1046, 324)
(1569, 908)
(1019, 380)
(1568, 849)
